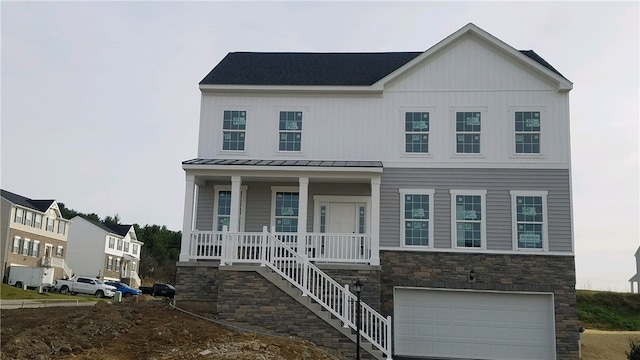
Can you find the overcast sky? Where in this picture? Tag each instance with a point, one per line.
(100, 100)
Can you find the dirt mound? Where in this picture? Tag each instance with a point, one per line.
(138, 328)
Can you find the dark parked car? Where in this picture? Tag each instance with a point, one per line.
(125, 289)
(165, 290)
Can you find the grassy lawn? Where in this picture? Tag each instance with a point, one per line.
(605, 310)
(8, 292)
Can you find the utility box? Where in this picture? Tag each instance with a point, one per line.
(117, 297)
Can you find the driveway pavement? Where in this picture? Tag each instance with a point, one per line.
(22, 304)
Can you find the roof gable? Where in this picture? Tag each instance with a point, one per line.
(38, 205)
(368, 70)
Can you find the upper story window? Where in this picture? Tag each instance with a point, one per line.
(19, 216)
(290, 131)
(286, 211)
(37, 222)
(468, 132)
(416, 128)
(28, 218)
(61, 227)
(135, 249)
(468, 218)
(529, 210)
(234, 125)
(417, 211)
(119, 244)
(50, 224)
(112, 242)
(527, 132)
(126, 246)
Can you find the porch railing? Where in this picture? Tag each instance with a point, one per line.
(267, 250)
(57, 262)
(319, 247)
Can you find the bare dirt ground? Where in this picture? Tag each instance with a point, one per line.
(132, 330)
(151, 329)
(609, 345)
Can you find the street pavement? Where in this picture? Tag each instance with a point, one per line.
(31, 303)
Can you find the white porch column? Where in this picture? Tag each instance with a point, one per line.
(234, 221)
(187, 220)
(303, 196)
(375, 221)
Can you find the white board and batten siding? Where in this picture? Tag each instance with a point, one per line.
(469, 75)
(466, 324)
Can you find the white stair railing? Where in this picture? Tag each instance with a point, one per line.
(268, 250)
(60, 263)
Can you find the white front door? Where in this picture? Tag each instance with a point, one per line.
(342, 218)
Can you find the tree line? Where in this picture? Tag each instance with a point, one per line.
(159, 253)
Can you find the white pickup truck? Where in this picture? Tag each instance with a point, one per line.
(85, 285)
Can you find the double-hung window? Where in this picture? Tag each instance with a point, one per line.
(135, 249)
(110, 263)
(28, 218)
(527, 132)
(285, 213)
(16, 245)
(117, 269)
(417, 214)
(61, 227)
(126, 246)
(26, 247)
(290, 131)
(416, 129)
(35, 250)
(19, 216)
(529, 210)
(112, 242)
(50, 224)
(234, 126)
(59, 251)
(119, 244)
(468, 132)
(37, 223)
(468, 218)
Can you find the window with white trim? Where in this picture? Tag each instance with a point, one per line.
(290, 131)
(26, 247)
(527, 126)
(529, 210)
(135, 249)
(59, 251)
(61, 227)
(234, 125)
(119, 244)
(112, 242)
(468, 132)
(222, 207)
(126, 246)
(50, 224)
(286, 211)
(110, 263)
(416, 206)
(37, 222)
(133, 266)
(416, 128)
(28, 218)
(117, 269)
(19, 217)
(16, 245)
(35, 250)
(468, 209)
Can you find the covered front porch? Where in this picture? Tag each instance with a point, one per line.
(327, 211)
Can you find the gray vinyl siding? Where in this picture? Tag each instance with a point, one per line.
(204, 208)
(497, 182)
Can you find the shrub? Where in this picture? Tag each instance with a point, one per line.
(634, 351)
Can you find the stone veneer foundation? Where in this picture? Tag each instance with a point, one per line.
(247, 297)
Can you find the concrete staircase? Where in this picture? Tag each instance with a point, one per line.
(318, 310)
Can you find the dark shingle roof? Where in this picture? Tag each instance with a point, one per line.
(39, 205)
(317, 69)
(320, 163)
(341, 69)
(121, 230)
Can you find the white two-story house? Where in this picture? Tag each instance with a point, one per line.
(34, 234)
(439, 179)
(110, 252)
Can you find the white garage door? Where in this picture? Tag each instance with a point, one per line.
(473, 324)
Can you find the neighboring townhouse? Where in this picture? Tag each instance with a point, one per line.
(635, 280)
(110, 252)
(34, 233)
(440, 179)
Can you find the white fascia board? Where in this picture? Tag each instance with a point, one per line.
(563, 84)
(475, 165)
(375, 88)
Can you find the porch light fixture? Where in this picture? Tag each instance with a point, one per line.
(358, 285)
(472, 276)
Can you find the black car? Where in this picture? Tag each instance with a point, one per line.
(166, 290)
